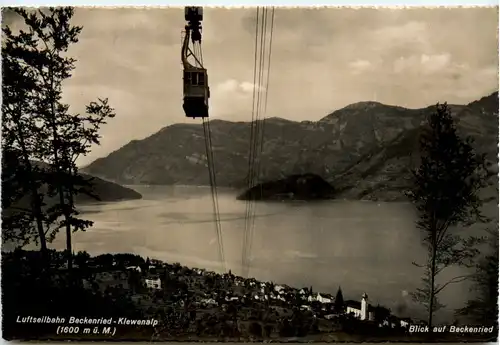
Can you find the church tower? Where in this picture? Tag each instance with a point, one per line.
(364, 307)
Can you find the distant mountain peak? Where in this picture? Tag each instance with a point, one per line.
(368, 105)
(363, 108)
(278, 119)
(364, 104)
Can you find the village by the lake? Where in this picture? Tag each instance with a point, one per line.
(171, 302)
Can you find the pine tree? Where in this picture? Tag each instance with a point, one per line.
(445, 193)
(339, 301)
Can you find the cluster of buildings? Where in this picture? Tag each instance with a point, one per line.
(265, 291)
(364, 311)
(152, 281)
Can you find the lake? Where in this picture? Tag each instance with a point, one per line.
(361, 246)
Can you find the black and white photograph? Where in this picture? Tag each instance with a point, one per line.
(250, 174)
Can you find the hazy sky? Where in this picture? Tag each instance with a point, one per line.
(322, 60)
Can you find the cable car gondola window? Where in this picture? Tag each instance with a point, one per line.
(187, 77)
(201, 79)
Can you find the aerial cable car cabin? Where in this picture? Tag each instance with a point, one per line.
(195, 80)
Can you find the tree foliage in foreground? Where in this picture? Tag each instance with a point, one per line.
(21, 178)
(41, 137)
(483, 309)
(445, 192)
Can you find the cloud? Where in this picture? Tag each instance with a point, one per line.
(427, 64)
(232, 98)
(360, 66)
(432, 63)
(413, 31)
(233, 86)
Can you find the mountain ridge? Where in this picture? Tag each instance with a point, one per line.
(331, 147)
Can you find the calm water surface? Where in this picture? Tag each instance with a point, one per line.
(360, 246)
